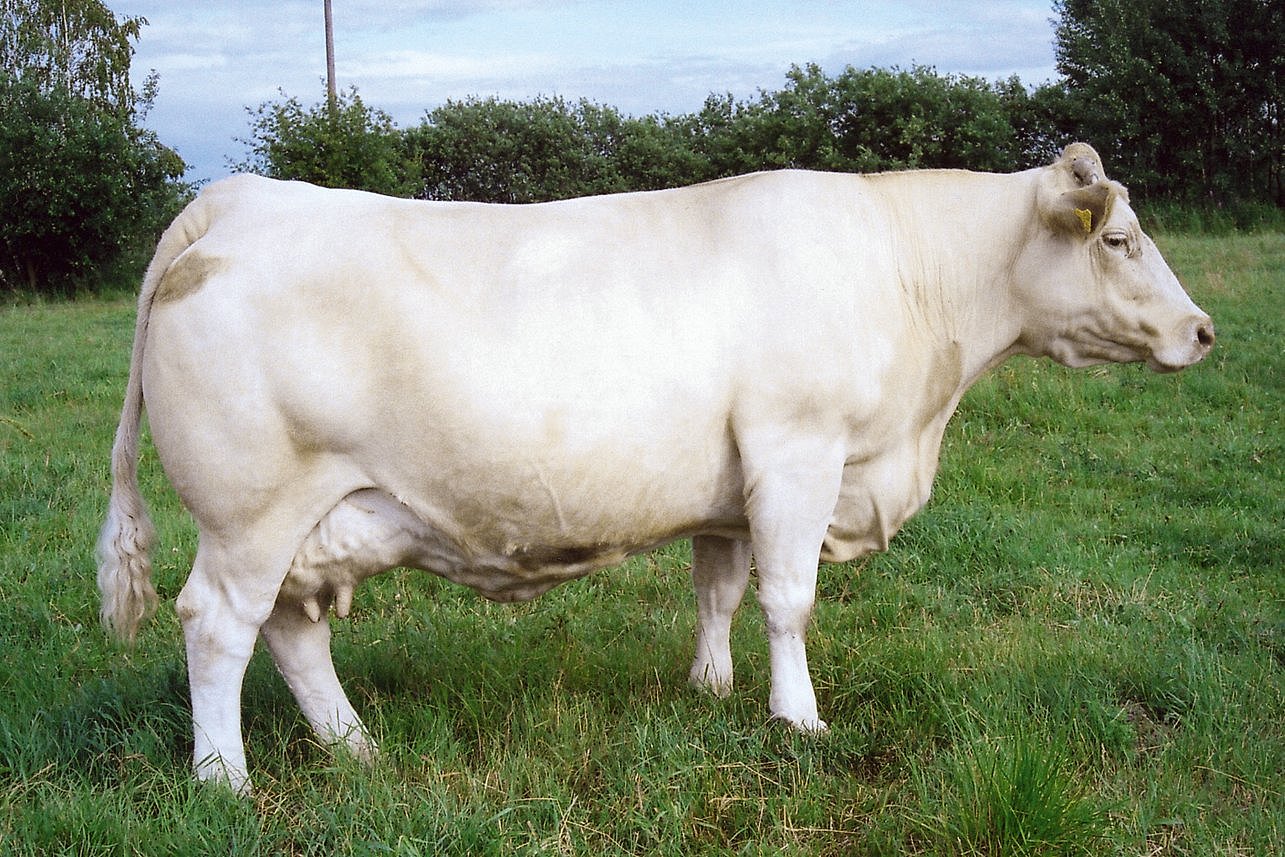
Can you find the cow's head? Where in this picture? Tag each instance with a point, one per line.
(1094, 288)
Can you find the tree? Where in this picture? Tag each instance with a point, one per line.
(862, 120)
(83, 191)
(353, 145)
(897, 119)
(76, 48)
(1184, 97)
(1040, 120)
(490, 150)
(655, 152)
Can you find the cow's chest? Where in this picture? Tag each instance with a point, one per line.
(882, 488)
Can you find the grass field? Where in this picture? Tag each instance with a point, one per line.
(1077, 648)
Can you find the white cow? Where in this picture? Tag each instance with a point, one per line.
(513, 396)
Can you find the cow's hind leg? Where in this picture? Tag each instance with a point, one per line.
(301, 649)
(366, 532)
(221, 610)
(720, 573)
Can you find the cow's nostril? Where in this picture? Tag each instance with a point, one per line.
(1205, 335)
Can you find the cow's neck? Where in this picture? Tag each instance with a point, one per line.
(956, 238)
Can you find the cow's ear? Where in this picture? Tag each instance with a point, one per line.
(1081, 211)
(1075, 196)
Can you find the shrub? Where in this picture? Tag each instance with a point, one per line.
(353, 145)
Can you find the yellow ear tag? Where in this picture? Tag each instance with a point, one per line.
(1086, 219)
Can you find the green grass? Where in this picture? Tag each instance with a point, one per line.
(1077, 648)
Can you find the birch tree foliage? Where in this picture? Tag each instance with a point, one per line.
(77, 48)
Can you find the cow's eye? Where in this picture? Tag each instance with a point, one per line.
(1116, 241)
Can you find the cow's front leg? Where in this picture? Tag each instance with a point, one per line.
(720, 573)
(301, 649)
(789, 508)
(787, 594)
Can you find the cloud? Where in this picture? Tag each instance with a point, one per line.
(411, 65)
(398, 12)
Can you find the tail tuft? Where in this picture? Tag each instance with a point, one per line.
(124, 567)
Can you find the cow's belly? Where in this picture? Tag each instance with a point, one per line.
(512, 534)
(370, 531)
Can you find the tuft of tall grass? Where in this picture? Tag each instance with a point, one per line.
(1007, 796)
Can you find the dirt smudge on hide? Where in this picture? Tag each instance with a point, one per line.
(186, 276)
(941, 384)
(537, 557)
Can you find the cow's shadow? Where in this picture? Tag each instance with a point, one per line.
(137, 714)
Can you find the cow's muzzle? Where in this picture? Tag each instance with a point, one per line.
(1195, 340)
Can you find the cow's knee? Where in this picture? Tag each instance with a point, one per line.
(787, 601)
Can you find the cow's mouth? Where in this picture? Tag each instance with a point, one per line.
(1199, 343)
(1165, 368)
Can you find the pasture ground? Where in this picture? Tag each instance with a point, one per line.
(1078, 647)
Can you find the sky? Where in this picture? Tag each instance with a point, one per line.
(218, 58)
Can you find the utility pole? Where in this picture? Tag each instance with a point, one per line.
(330, 62)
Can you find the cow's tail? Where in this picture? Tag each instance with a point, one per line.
(124, 565)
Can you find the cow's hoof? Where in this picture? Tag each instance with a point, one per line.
(219, 776)
(707, 681)
(365, 751)
(804, 725)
